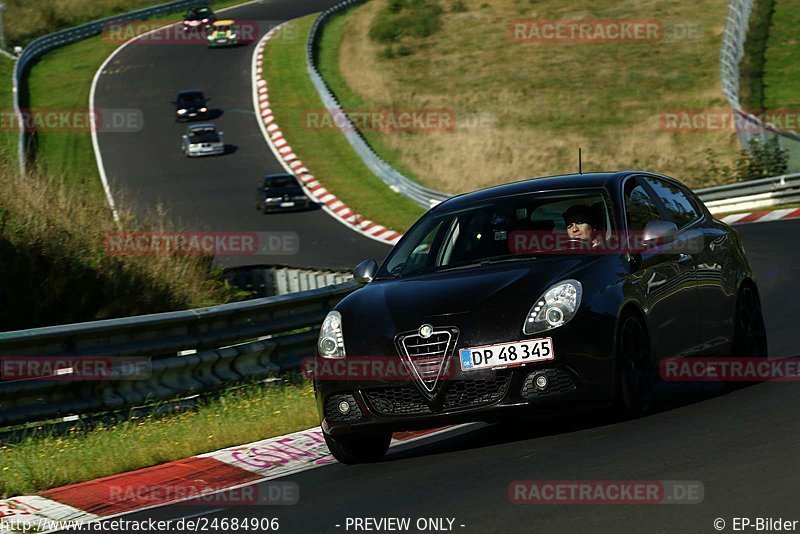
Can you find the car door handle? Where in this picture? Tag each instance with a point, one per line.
(684, 258)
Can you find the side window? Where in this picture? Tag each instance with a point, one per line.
(677, 203)
(640, 208)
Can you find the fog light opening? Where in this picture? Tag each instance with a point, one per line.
(541, 382)
(344, 407)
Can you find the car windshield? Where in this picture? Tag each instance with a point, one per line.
(191, 98)
(203, 134)
(275, 183)
(483, 232)
(198, 14)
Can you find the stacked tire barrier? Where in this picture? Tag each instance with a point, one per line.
(40, 46)
(748, 126)
(184, 353)
(423, 196)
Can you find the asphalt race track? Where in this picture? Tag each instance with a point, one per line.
(212, 193)
(742, 446)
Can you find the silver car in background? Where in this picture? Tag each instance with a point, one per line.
(202, 140)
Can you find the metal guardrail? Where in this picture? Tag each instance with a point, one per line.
(754, 194)
(423, 196)
(189, 352)
(41, 45)
(748, 126)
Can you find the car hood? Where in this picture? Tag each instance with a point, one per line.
(488, 302)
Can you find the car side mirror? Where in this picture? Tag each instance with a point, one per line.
(658, 233)
(365, 271)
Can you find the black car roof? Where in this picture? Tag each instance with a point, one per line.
(278, 175)
(189, 92)
(603, 180)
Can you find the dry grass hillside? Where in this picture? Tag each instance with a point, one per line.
(523, 108)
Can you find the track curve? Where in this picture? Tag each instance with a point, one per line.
(213, 193)
(741, 446)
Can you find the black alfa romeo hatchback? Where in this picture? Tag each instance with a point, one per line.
(530, 296)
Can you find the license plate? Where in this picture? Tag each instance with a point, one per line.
(287, 204)
(507, 354)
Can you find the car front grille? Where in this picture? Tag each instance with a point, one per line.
(457, 395)
(428, 356)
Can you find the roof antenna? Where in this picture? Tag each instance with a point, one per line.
(580, 161)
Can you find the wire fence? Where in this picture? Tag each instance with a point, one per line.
(748, 125)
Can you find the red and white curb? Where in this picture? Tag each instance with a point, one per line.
(200, 476)
(292, 163)
(762, 216)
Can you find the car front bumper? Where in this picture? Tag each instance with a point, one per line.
(289, 205)
(196, 153)
(581, 373)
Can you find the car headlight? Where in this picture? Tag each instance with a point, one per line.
(181, 111)
(203, 110)
(331, 339)
(554, 308)
(210, 37)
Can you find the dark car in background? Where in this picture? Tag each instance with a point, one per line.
(199, 18)
(281, 192)
(190, 105)
(488, 324)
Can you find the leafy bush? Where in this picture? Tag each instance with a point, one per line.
(762, 159)
(405, 19)
(458, 6)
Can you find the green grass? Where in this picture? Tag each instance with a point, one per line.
(781, 67)
(234, 418)
(28, 19)
(8, 133)
(329, 68)
(523, 108)
(68, 152)
(326, 152)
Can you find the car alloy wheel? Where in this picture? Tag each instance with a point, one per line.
(359, 448)
(636, 375)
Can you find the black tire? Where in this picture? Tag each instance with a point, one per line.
(358, 449)
(750, 334)
(636, 370)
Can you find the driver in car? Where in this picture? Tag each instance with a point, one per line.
(580, 224)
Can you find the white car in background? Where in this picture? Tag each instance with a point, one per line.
(202, 140)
